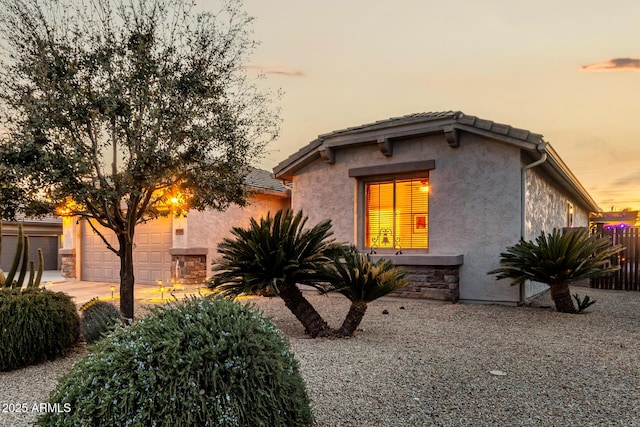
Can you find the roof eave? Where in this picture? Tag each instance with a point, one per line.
(572, 184)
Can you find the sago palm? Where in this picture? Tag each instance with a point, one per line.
(558, 259)
(273, 255)
(361, 280)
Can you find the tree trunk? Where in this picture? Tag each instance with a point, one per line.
(353, 319)
(562, 297)
(314, 324)
(126, 276)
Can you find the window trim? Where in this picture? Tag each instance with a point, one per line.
(409, 170)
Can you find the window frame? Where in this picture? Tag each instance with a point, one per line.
(362, 181)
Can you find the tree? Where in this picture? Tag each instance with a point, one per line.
(276, 253)
(114, 109)
(359, 279)
(558, 259)
(273, 255)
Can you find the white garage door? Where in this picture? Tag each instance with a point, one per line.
(151, 258)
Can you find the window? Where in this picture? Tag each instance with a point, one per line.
(569, 215)
(397, 214)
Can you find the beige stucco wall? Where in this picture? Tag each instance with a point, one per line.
(474, 202)
(207, 228)
(546, 208)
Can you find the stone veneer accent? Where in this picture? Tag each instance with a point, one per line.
(188, 265)
(431, 282)
(434, 277)
(68, 263)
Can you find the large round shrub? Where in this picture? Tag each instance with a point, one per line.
(35, 325)
(196, 363)
(98, 319)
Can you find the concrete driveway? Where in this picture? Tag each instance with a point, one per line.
(83, 291)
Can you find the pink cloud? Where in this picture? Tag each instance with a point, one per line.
(616, 64)
(276, 69)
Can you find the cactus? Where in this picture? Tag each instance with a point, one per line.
(98, 319)
(21, 259)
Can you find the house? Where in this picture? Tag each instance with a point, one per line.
(44, 233)
(169, 249)
(440, 194)
(619, 219)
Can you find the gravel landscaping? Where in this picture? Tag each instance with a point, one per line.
(446, 365)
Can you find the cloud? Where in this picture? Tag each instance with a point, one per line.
(616, 64)
(276, 69)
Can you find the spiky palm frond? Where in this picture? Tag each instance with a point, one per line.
(557, 258)
(270, 252)
(359, 279)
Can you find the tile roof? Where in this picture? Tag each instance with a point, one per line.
(262, 179)
(457, 117)
(415, 123)
(396, 121)
(448, 122)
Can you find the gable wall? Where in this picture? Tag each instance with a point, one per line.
(207, 228)
(474, 202)
(546, 208)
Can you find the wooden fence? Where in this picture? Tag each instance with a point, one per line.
(628, 277)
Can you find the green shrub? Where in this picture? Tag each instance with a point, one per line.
(195, 363)
(583, 303)
(35, 325)
(98, 319)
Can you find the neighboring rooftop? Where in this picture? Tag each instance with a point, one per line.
(263, 180)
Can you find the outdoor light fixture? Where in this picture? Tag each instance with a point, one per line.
(162, 293)
(113, 288)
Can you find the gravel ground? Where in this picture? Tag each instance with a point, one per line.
(428, 364)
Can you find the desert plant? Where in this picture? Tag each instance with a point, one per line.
(98, 319)
(558, 259)
(273, 254)
(583, 303)
(196, 362)
(21, 262)
(361, 280)
(36, 325)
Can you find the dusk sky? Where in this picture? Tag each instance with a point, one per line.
(568, 69)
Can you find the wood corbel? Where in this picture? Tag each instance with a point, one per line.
(385, 146)
(328, 154)
(452, 136)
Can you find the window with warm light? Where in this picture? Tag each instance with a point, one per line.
(397, 214)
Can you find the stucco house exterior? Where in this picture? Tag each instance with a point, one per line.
(440, 194)
(169, 249)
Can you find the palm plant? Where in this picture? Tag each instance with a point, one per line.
(359, 279)
(272, 255)
(558, 259)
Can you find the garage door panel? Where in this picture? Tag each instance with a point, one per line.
(48, 244)
(151, 257)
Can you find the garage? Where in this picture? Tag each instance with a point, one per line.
(151, 258)
(43, 234)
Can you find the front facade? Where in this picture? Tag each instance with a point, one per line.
(169, 249)
(441, 194)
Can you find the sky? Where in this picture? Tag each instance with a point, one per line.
(567, 69)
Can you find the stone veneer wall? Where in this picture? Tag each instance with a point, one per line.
(68, 263)
(188, 269)
(431, 282)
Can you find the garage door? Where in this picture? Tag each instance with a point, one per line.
(48, 244)
(151, 258)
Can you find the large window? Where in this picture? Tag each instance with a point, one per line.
(397, 214)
